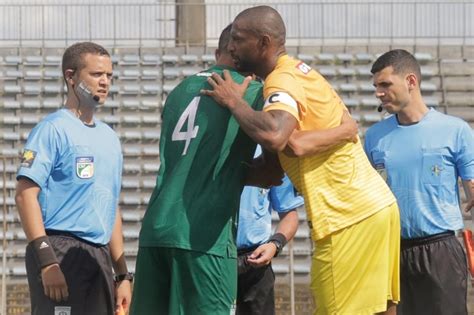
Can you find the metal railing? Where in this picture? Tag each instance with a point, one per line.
(308, 23)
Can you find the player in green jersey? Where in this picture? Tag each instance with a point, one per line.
(186, 262)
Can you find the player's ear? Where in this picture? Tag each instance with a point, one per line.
(69, 75)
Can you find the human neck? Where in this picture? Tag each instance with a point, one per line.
(412, 114)
(84, 114)
(271, 62)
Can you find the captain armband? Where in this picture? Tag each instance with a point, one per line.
(43, 251)
(281, 98)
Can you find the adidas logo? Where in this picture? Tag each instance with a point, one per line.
(43, 245)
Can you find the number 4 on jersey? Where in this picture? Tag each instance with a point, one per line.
(189, 114)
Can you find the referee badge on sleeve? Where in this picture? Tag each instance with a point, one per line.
(85, 167)
(27, 158)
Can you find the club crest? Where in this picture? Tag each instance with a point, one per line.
(85, 167)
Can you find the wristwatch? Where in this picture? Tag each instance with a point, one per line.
(125, 276)
(278, 245)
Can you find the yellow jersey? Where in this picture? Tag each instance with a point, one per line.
(339, 186)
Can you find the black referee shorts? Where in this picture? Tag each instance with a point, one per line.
(433, 276)
(255, 288)
(88, 272)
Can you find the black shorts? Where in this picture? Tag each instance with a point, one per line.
(255, 288)
(88, 272)
(433, 276)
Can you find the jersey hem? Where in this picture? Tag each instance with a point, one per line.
(318, 236)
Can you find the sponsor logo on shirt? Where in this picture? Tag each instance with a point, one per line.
(27, 158)
(85, 167)
(303, 67)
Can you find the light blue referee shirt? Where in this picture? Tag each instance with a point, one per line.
(256, 204)
(422, 163)
(79, 170)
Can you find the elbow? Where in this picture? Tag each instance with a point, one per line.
(274, 141)
(296, 147)
(19, 198)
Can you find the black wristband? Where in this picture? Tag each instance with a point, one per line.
(126, 276)
(279, 237)
(279, 240)
(44, 252)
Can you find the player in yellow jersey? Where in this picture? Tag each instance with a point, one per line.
(352, 214)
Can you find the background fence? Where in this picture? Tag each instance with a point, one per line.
(308, 22)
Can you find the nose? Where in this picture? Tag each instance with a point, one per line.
(105, 79)
(379, 93)
(231, 46)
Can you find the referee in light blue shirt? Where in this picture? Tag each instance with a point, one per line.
(422, 154)
(257, 245)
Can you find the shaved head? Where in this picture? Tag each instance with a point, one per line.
(263, 20)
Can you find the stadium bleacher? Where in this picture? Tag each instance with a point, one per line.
(31, 87)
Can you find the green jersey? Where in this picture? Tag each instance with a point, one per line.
(203, 161)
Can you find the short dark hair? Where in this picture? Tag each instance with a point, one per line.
(73, 55)
(224, 39)
(401, 60)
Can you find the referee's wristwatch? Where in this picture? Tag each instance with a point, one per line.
(125, 276)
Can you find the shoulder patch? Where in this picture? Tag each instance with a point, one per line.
(303, 67)
(27, 158)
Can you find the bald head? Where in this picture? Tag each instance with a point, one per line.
(263, 20)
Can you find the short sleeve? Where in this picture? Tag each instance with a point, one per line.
(465, 154)
(284, 198)
(282, 92)
(39, 154)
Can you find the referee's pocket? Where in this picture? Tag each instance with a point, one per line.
(432, 168)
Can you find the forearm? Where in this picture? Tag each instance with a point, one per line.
(263, 127)
(304, 143)
(288, 224)
(116, 246)
(469, 191)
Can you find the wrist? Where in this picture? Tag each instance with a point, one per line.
(124, 277)
(234, 103)
(43, 252)
(279, 240)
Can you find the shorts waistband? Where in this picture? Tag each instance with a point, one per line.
(411, 242)
(69, 234)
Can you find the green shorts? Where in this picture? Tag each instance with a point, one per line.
(183, 282)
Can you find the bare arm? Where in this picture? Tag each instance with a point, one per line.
(123, 288)
(264, 254)
(304, 143)
(469, 190)
(26, 198)
(271, 129)
(29, 209)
